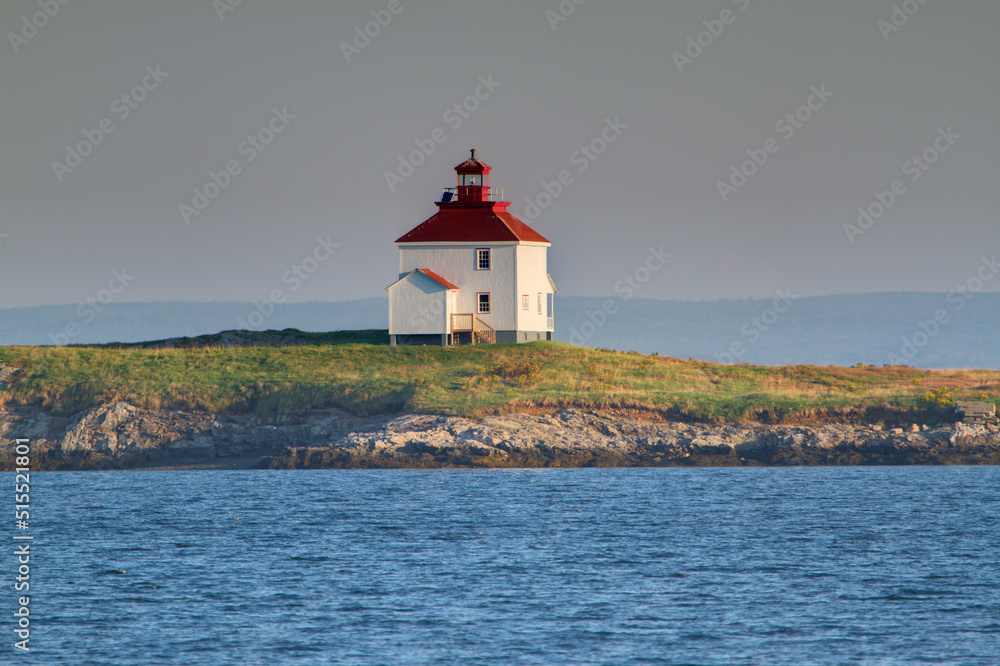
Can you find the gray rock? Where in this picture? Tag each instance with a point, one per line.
(122, 435)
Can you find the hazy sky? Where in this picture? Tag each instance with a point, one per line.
(681, 91)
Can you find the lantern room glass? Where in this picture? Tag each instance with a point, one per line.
(473, 186)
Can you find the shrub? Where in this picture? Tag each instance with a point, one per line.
(938, 398)
(510, 371)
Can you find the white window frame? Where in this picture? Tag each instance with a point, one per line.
(479, 302)
(489, 258)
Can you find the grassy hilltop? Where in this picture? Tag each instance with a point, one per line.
(358, 371)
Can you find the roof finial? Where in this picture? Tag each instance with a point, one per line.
(473, 151)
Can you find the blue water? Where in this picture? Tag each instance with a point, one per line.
(885, 565)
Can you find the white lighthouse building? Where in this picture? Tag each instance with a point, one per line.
(472, 272)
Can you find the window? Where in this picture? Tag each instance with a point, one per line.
(484, 302)
(483, 259)
(524, 302)
(548, 305)
(539, 303)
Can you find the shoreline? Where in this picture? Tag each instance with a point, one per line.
(124, 437)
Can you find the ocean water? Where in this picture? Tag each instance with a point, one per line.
(878, 565)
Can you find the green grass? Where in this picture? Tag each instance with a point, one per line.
(358, 371)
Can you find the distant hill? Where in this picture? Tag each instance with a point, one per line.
(846, 329)
(843, 330)
(136, 322)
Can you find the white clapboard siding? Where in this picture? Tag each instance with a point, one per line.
(532, 280)
(418, 305)
(456, 262)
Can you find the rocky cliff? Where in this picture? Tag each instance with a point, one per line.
(120, 436)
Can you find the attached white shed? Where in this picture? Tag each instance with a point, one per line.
(420, 307)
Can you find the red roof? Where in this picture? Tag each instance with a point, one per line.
(472, 164)
(429, 273)
(474, 224)
(437, 278)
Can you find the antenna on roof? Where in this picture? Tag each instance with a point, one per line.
(473, 156)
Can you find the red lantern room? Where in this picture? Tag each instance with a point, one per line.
(472, 181)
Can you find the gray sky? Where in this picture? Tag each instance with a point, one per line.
(886, 95)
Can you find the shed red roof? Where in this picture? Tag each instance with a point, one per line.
(429, 273)
(475, 224)
(437, 278)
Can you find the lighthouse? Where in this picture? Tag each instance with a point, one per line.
(472, 273)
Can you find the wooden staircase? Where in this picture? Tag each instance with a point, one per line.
(470, 323)
(483, 332)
